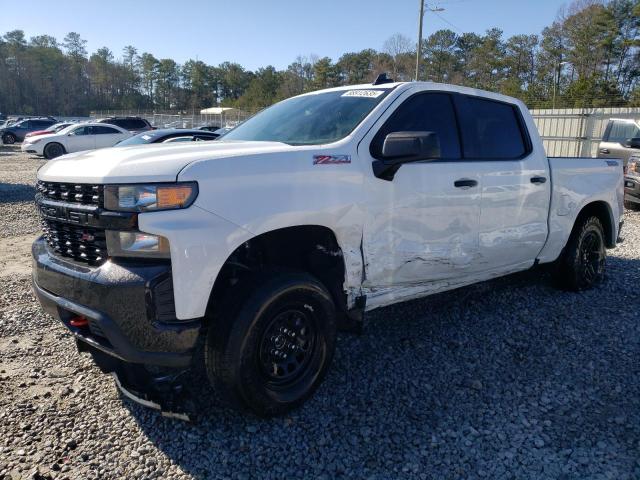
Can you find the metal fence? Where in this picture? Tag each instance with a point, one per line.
(576, 132)
(181, 119)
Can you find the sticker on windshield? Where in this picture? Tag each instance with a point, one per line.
(363, 93)
(331, 159)
(146, 137)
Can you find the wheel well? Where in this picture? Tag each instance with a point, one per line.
(602, 211)
(310, 248)
(54, 143)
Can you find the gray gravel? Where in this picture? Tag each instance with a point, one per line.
(17, 179)
(508, 379)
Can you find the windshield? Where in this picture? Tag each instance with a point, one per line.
(68, 129)
(310, 119)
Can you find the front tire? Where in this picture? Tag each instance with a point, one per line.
(271, 349)
(9, 139)
(582, 264)
(53, 150)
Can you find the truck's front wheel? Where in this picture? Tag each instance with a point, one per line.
(271, 348)
(583, 263)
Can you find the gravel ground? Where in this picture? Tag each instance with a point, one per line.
(507, 379)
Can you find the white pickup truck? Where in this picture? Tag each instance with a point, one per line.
(297, 222)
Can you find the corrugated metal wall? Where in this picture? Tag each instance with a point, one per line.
(576, 132)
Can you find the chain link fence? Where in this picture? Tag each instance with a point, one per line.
(180, 119)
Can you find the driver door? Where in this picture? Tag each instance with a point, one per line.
(80, 139)
(422, 226)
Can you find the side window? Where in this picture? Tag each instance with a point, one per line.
(137, 124)
(425, 112)
(80, 131)
(25, 124)
(99, 130)
(491, 130)
(40, 124)
(622, 131)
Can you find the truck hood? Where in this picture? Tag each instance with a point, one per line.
(145, 163)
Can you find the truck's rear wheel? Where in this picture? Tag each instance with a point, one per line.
(582, 264)
(271, 350)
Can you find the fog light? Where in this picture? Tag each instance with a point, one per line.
(136, 244)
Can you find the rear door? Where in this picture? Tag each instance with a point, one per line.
(617, 133)
(516, 188)
(106, 136)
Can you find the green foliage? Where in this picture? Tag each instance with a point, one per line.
(588, 57)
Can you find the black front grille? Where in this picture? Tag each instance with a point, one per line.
(77, 242)
(72, 192)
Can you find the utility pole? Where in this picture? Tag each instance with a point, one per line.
(559, 72)
(419, 44)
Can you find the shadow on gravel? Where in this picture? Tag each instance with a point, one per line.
(16, 192)
(510, 378)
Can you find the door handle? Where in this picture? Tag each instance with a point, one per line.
(606, 151)
(538, 179)
(465, 183)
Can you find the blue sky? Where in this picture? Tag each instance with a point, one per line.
(258, 33)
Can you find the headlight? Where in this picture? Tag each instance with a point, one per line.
(633, 166)
(136, 244)
(32, 140)
(147, 198)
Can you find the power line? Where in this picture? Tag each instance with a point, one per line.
(448, 22)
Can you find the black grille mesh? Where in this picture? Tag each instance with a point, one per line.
(80, 243)
(72, 192)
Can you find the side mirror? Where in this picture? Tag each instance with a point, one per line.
(405, 147)
(632, 142)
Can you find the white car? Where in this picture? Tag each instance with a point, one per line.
(75, 138)
(297, 222)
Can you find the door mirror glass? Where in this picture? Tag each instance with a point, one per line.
(632, 142)
(403, 147)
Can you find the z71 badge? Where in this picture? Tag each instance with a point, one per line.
(331, 159)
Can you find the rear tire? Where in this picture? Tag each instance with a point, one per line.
(9, 139)
(583, 262)
(271, 348)
(53, 150)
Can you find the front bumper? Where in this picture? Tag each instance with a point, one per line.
(28, 148)
(129, 307)
(632, 189)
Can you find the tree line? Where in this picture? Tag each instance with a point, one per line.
(588, 57)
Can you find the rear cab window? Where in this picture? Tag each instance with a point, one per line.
(491, 130)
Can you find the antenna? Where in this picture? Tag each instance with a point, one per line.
(382, 78)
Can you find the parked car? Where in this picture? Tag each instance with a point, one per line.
(632, 183)
(132, 124)
(16, 132)
(209, 128)
(315, 210)
(168, 135)
(75, 138)
(56, 127)
(621, 139)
